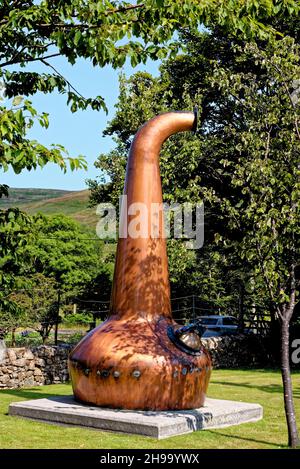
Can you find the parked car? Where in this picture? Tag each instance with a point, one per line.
(216, 325)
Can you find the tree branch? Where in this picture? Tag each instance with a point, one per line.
(29, 46)
(67, 81)
(11, 62)
(268, 143)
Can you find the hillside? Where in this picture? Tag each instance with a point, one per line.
(27, 196)
(51, 202)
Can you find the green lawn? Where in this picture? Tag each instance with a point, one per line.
(261, 386)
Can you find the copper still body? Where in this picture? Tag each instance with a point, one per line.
(140, 358)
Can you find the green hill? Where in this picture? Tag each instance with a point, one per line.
(27, 196)
(52, 202)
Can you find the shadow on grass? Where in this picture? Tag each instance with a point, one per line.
(250, 369)
(28, 393)
(270, 388)
(254, 440)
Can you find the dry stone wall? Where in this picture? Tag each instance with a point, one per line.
(237, 351)
(22, 367)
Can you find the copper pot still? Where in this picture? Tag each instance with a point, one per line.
(140, 358)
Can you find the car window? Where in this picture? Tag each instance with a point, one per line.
(211, 333)
(209, 321)
(229, 322)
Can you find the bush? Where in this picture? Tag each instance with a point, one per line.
(72, 339)
(84, 319)
(26, 339)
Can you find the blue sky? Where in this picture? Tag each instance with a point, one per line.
(81, 132)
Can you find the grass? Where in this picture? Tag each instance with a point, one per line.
(261, 386)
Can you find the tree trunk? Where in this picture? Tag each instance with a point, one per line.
(287, 385)
(241, 322)
(56, 333)
(275, 336)
(13, 338)
(57, 318)
(44, 338)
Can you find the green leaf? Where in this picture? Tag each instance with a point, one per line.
(17, 100)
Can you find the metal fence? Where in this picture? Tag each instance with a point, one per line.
(184, 309)
(188, 308)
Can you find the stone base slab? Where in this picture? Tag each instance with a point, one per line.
(216, 413)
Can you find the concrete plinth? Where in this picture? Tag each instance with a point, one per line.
(216, 413)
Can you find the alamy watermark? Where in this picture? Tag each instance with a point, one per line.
(295, 357)
(138, 220)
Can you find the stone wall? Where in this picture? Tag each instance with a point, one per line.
(23, 367)
(237, 351)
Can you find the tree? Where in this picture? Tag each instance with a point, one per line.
(11, 317)
(36, 32)
(185, 172)
(15, 232)
(267, 170)
(38, 302)
(74, 257)
(61, 258)
(64, 251)
(93, 301)
(44, 306)
(255, 136)
(244, 164)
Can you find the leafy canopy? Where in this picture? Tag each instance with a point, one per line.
(106, 33)
(244, 162)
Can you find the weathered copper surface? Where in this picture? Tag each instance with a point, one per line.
(129, 361)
